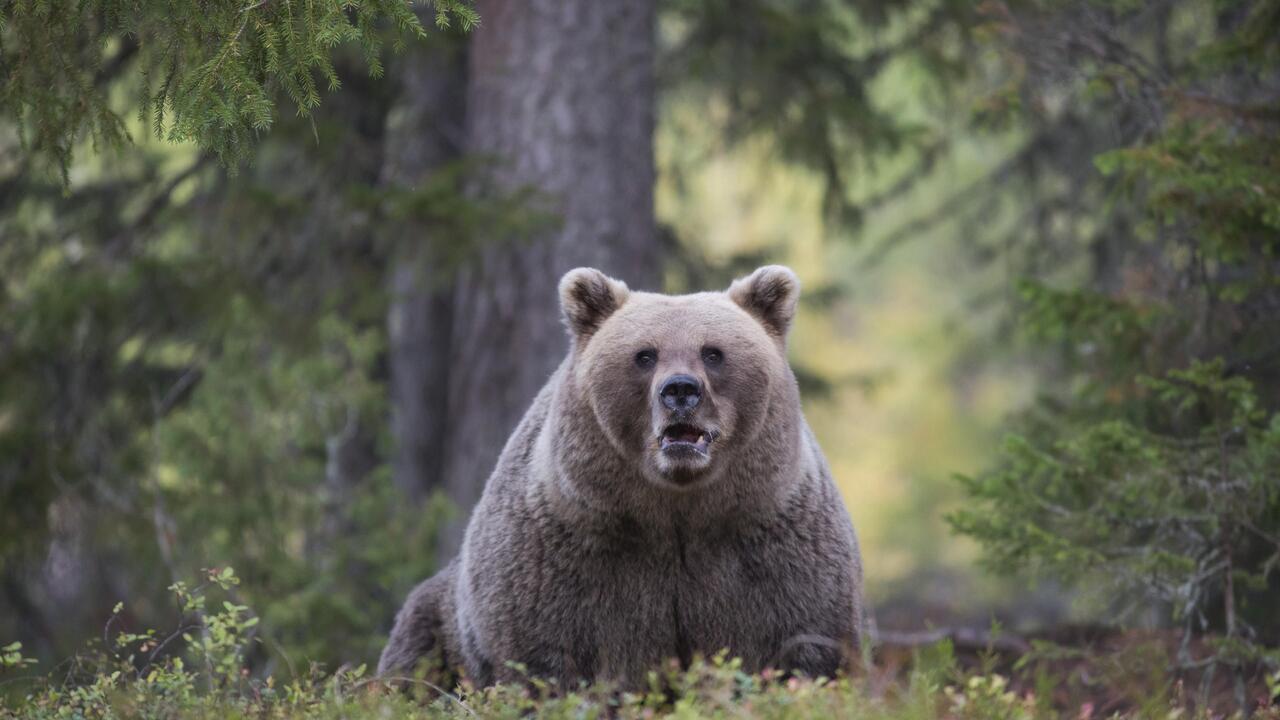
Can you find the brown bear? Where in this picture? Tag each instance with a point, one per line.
(663, 497)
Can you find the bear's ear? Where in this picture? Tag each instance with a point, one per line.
(588, 297)
(770, 294)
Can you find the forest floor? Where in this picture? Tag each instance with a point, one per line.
(1076, 672)
(1083, 671)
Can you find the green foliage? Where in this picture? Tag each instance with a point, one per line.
(1143, 515)
(1147, 477)
(1109, 338)
(92, 397)
(197, 669)
(240, 466)
(176, 412)
(11, 657)
(987, 696)
(209, 73)
(187, 361)
(801, 81)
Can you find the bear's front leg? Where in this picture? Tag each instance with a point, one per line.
(423, 643)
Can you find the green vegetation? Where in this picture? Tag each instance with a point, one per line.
(198, 670)
(1148, 474)
(212, 74)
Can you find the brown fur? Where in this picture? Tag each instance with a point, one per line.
(593, 555)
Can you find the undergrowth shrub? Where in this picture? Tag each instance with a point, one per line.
(198, 670)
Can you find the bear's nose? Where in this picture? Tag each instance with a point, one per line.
(680, 392)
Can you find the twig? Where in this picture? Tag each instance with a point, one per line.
(417, 681)
(960, 636)
(175, 635)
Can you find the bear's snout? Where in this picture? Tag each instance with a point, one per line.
(683, 440)
(680, 393)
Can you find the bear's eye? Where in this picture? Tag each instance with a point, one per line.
(646, 359)
(712, 356)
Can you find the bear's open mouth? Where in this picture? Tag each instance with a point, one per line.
(682, 437)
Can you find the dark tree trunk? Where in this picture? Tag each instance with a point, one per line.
(350, 455)
(560, 96)
(424, 134)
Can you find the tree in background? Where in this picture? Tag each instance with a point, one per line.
(560, 96)
(206, 383)
(199, 354)
(1148, 475)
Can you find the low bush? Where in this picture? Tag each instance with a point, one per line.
(198, 670)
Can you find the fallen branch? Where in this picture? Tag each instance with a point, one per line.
(960, 637)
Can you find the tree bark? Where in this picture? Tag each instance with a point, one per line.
(424, 134)
(560, 96)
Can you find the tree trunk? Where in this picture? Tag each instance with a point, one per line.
(560, 96)
(350, 455)
(424, 134)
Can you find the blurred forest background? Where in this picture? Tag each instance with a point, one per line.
(276, 283)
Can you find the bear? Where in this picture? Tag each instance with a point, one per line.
(662, 498)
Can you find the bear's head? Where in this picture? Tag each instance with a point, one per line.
(680, 385)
